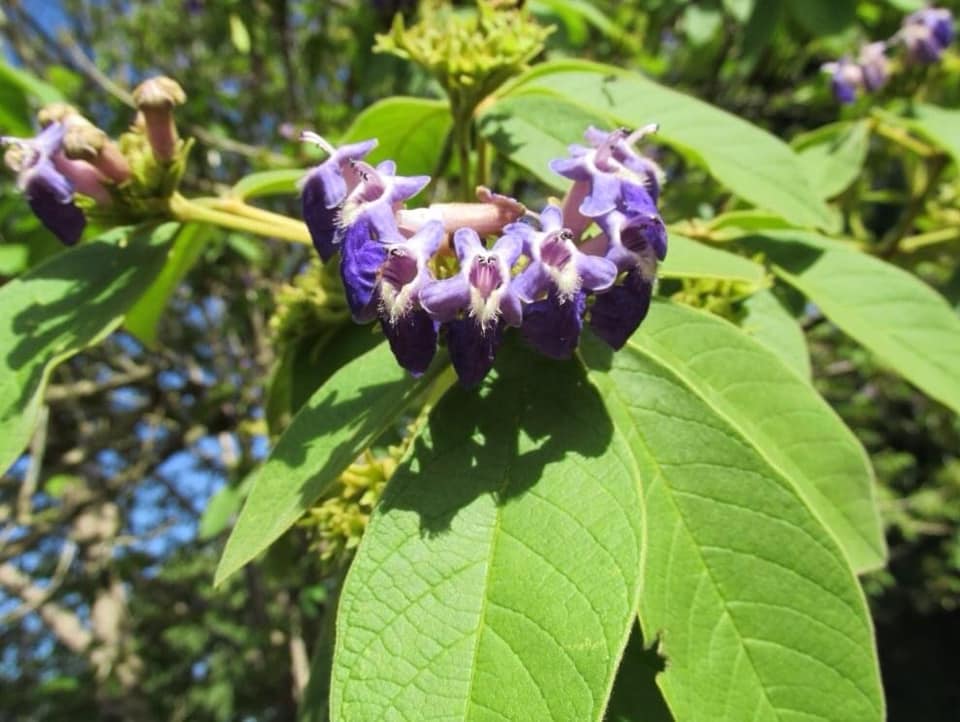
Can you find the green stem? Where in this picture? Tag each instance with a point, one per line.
(903, 139)
(184, 209)
(922, 240)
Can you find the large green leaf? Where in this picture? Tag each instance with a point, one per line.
(692, 259)
(768, 322)
(62, 306)
(753, 164)
(410, 131)
(143, 318)
(757, 610)
(891, 312)
(779, 414)
(345, 415)
(499, 577)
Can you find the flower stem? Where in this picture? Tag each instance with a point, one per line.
(922, 240)
(263, 223)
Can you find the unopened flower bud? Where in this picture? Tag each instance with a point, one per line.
(84, 141)
(155, 99)
(55, 113)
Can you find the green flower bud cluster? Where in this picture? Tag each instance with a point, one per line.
(720, 297)
(314, 301)
(471, 53)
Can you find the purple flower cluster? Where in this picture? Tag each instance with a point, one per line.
(924, 36)
(545, 279)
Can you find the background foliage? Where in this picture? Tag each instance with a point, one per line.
(116, 518)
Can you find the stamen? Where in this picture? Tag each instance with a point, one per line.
(639, 133)
(308, 136)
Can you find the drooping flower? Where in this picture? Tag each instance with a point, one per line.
(412, 333)
(326, 187)
(874, 65)
(555, 282)
(477, 303)
(556, 264)
(616, 314)
(48, 191)
(846, 79)
(604, 173)
(927, 33)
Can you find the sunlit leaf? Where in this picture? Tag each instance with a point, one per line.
(60, 307)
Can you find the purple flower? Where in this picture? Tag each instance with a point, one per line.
(927, 33)
(404, 273)
(561, 272)
(383, 278)
(616, 314)
(48, 191)
(874, 66)
(476, 303)
(604, 174)
(846, 79)
(326, 187)
(552, 325)
(377, 197)
(556, 264)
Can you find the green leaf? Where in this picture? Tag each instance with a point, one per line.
(60, 307)
(43, 93)
(356, 404)
(833, 158)
(891, 312)
(740, 10)
(410, 131)
(691, 259)
(770, 324)
(534, 128)
(700, 24)
(269, 183)
(13, 258)
(221, 508)
(779, 414)
(498, 578)
(752, 163)
(575, 14)
(758, 612)
(939, 125)
(823, 17)
(239, 35)
(143, 318)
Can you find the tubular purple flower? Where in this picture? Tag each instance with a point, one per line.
(477, 303)
(874, 66)
(48, 191)
(553, 325)
(556, 264)
(325, 188)
(927, 33)
(412, 333)
(846, 79)
(377, 197)
(616, 314)
(603, 173)
(635, 234)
